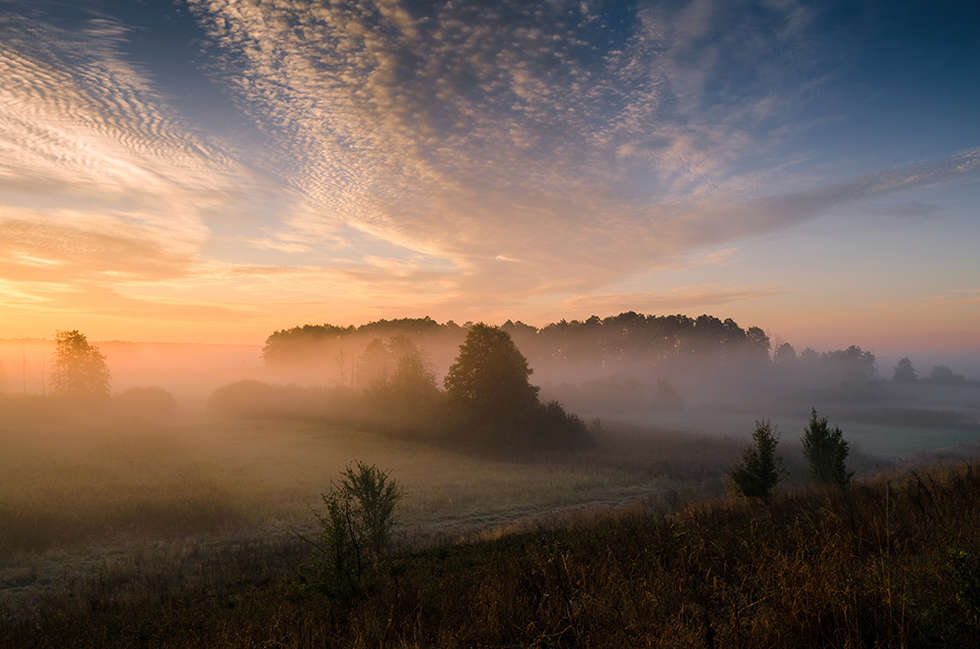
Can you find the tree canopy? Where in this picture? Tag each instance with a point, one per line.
(80, 369)
(490, 376)
(905, 372)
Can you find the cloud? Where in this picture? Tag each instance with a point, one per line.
(459, 128)
(679, 299)
(959, 296)
(412, 155)
(909, 210)
(31, 250)
(84, 298)
(537, 129)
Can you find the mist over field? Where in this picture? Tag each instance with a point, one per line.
(525, 323)
(157, 461)
(705, 375)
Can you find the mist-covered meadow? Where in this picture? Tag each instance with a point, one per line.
(241, 443)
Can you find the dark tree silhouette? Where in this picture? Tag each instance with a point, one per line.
(489, 391)
(759, 471)
(826, 451)
(490, 376)
(79, 368)
(904, 372)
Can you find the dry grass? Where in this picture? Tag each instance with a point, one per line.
(890, 563)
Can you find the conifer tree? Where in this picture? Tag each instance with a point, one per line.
(826, 451)
(759, 471)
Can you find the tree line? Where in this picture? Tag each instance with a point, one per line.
(621, 342)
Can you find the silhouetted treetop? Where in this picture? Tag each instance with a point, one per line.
(943, 375)
(490, 375)
(904, 372)
(615, 341)
(79, 368)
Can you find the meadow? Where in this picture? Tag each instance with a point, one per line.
(87, 491)
(148, 529)
(890, 562)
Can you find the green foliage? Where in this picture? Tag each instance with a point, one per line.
(355, 530)
(826, 451)
(79, 371)
(759, 471)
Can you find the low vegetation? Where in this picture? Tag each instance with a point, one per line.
(889, 562)
(355, 532)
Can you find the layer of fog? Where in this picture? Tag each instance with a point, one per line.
(593, 369)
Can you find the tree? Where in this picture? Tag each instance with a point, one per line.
(411, 379)
(759, 471)
(79, 368)
(373, 364)
(943, 375)
(785, 356)
(489, 378)
(826, 451)
(904, 372)
(759, 343)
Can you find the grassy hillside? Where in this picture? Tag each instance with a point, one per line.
(891, 562)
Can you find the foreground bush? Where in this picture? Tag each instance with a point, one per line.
(355, 531)
(891, 563)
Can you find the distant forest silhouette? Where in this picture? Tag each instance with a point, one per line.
(629, 363)
(620, 343)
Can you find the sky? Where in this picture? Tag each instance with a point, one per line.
(213, 170)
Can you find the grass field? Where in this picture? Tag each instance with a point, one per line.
(83, 491)
(108, 513)
(889, 563)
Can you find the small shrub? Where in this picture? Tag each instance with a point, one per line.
(355, 530)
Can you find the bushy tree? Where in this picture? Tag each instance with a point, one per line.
(79, 369)
(410, 395)
(759, 471)
(491, 397)
(826, 451)
(905, 372)
(489, 378)
(412, 378)
(374, 364)
(784, 356)
(943, 375)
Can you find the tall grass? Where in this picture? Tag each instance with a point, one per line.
(888, 563)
